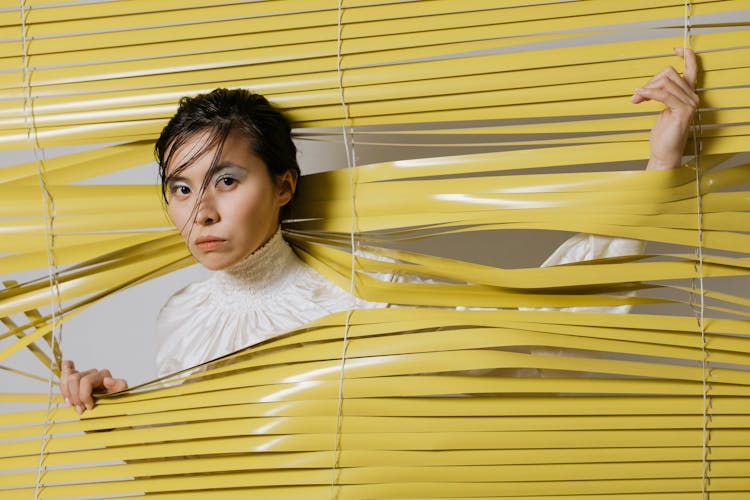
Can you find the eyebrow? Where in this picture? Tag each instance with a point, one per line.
(225, 165)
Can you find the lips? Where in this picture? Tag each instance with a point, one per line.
(206, 243)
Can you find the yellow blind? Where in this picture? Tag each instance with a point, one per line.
(528, 101)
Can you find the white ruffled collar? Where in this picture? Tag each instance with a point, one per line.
(264, 272)
(268, 293)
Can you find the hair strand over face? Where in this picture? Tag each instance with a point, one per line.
(217, 114)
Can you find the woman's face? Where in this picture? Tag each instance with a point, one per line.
(237, 212)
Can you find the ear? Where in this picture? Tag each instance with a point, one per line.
(286, 184)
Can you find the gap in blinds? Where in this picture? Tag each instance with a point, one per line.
(483, 132)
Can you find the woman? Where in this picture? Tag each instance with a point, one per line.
(228, 168)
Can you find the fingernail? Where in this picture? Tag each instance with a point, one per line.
(79, 409)
(89, 406)
(67, 402)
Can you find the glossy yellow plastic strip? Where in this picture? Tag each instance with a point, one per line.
(392, 90)
(290, 15)
(437, 402)
(320, 113)
(621, 76)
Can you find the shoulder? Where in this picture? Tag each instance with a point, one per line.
(188, 296)
(178, 327)
(582, 247)
(179, 309)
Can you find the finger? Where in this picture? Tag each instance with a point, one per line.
(668, 74)
(64, 390)
(71, 385)
(683, 85)
(691, 65)
(72, 392)
(686, 83)
(89, 383)
(672, 86)
(683, 100)
(654, 81)
(112, 384)
(659, 76)
(666, 97)
(115, 384)
(66, 368)
(74, 388)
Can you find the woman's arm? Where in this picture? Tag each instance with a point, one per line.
(78, 387)
(670, 131)
(667, 140)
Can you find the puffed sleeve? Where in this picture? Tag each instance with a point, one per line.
(188, 331)
(590, 246)
(582, 247)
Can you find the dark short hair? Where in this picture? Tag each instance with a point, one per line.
(219, 112)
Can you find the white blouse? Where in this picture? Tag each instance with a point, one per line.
(272, 291)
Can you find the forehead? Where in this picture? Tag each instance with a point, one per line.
(197, 152)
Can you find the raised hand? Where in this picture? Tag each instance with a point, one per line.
(670, 131)
(78, 388)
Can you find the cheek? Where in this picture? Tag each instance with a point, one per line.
(254, 207)
(177, 214)
(244, 215)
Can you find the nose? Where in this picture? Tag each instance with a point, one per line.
(207, 214)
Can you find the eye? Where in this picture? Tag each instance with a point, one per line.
(180, 190)
(226, 181)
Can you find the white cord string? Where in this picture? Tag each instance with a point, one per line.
(350, 161)
(48, 209)
(699, 308)
(686, 40)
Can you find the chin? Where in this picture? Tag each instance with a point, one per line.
(213, 267)
(214, 262)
